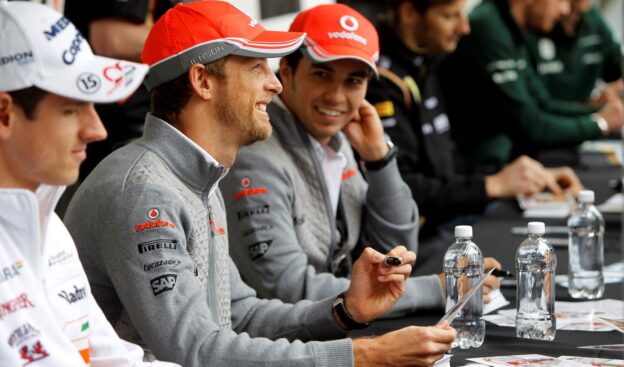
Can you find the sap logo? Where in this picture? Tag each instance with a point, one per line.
(75, 296)
(69, 55)
(22, 333)
(161, 244)
(258, 249)
(265, 209)
(56, 28)
(163, 283)
(10, 272)
(157, 264)
(33, 353)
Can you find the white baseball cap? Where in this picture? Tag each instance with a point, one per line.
(40, 47)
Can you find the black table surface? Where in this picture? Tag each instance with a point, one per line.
(493, 235)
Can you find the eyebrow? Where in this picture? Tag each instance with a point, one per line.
(357, 74)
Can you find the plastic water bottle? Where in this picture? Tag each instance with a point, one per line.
(463, 267)
(535, 299)
(586, 249)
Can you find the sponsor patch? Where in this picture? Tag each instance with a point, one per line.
(159, 244)
(163, 283)
(56, 28)
(19, 58)
(258, 249)
(77, 331)
(15, 304)
(10, 272)
(245, 182)
(384, 109)
(160, 263)
(73, 296)
(21, 334)
(60, 257)
(69, 55)
(151, 224)
(118, 74)
(265, 209)
(32, 353)
(253, 230)
(153, 213)
(88, 83)
(250, 191)
(347, 174)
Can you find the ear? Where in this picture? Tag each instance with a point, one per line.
(6, 118)
(407, 14)
(200, 81)
(285, 72)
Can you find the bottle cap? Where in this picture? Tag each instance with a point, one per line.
(463, 231)
(536, 228)
(586, 196)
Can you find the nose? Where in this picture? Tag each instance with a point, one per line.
(465, 24)
(564, 8)
(92, 128)
(273, 84)
(334, 93)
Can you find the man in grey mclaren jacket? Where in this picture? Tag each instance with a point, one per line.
(150, 223)
(323, 209)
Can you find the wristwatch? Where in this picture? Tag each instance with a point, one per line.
(377, 165)
(343, 315)
(601, 122)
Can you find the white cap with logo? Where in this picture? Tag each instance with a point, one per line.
(40, 47)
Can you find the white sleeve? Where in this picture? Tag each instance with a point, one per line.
(108, 349)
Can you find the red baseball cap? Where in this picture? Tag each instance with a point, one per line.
(336, 31)
(205, 31)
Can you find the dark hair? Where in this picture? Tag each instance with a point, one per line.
(28, 100)
(293, 59)
(421, 6)
(168, 99)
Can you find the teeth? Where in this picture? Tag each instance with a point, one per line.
(261, 107)
(328, 112)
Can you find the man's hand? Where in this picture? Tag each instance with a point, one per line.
(375, 286)
(527, 176)
(613, 113)
(491, 282)
(566, 179)
(410, 346)
(366, 134)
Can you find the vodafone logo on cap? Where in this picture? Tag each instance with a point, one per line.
(349, 23)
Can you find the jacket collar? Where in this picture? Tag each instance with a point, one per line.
(188, 161)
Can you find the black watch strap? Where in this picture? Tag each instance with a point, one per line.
(377, 165)
(343, 315)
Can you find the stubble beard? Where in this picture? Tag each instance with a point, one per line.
(246, 128)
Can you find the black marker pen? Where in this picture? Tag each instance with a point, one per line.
(502, 273)
(392, 260)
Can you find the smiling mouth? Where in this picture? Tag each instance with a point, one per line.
(328, 112)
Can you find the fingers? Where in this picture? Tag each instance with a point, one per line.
(490, 262)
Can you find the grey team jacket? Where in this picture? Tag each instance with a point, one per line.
(283, 231)
(152, 235)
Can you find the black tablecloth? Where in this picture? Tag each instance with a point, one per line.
(493, 235)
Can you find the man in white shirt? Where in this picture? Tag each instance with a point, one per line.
(49, 80)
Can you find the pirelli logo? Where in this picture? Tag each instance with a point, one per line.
(155, 245)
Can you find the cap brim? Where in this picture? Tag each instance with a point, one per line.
(331, 53)
(270, 44)
(98, 80)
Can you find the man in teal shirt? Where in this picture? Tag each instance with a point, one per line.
(498, 106)
(577, 54)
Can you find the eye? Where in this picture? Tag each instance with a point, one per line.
(320, 74)
(355, 81)
(69, 110)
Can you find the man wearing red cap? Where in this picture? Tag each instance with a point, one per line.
(49, 80)
(151, 227)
